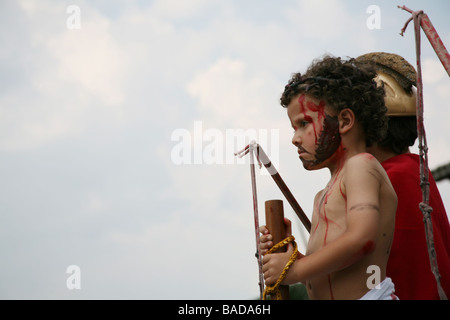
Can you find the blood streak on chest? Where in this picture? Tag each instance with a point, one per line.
(323, 211)
(320, 206)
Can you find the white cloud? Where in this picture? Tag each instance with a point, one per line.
(224, 93)
(231, 95)
(173, 9)
(321, 19)
(433, 71)
(75, 77)
(436, 89)
(90, 57)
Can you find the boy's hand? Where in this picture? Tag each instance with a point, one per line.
(273, 265)
(265, 241)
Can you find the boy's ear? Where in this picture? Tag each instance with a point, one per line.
(346, 120)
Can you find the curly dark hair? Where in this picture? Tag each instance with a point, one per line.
(344, 84)
(401, 134)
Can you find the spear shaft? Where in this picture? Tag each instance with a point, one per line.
(262, 157)
(255, 215)
(421, 20)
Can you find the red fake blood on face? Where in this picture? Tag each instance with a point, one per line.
(326, 128)
(301, 101)
(311, 106)
(329, 140)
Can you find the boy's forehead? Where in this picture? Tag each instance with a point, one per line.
(305, 103)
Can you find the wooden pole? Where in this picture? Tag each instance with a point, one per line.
(275, 223)
(432, 36)
(262, 157)
(421, 20)
(260, 154)
(256, 219)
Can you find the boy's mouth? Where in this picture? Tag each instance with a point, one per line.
(301, 151)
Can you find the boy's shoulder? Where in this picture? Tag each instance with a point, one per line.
(362, 159)
(363, 164)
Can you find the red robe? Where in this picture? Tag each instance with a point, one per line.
(409, 263)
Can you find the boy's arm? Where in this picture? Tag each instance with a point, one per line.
(362, 184)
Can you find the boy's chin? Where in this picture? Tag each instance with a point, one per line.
(311, 164)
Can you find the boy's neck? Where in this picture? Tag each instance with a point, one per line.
(353, 142)
(345, 152)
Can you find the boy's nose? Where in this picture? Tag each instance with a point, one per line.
(296, 140)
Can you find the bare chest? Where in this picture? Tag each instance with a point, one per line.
(329, 215)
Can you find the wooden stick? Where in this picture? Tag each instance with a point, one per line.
(423, 148)
(256, 220)
(424, 206)
(275, 224)
(261, 155)
(432, 36)
(436, 42)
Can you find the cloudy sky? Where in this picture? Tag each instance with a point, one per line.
(118, 120)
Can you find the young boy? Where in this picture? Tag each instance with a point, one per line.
(336, 111)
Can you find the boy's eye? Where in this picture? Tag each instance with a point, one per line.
(301, 124)
(304, 123)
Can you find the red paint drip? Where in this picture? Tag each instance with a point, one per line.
(368, 248)
(320, 109)
(315, 107)
(327, 221)
(325, 201)
(331, 289)
(367, 156)
(343, 196)
(301, 101)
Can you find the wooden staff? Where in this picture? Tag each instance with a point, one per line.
(432, 36)
(256, 220)
(421, 20)
(262, 156)
(275, 224)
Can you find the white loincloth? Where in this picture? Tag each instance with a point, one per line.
(384, 291)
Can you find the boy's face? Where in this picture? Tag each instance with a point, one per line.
(316, 130)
